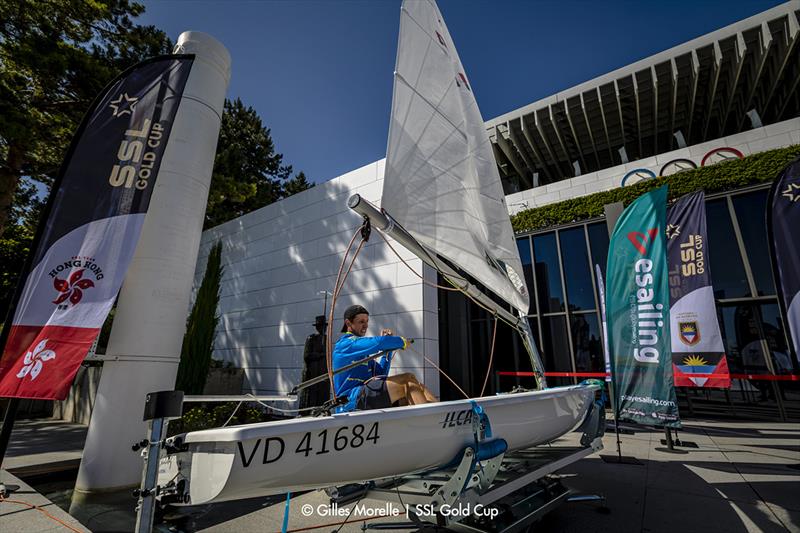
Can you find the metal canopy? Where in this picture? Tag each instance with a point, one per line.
(702, 89)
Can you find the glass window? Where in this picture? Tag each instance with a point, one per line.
(587, 343)
(548, 273)
(727, 271)
(577, 273)
(598, 240)
(742, 337)
(524, 247)
(775, 334)
(750, 213)
(555, 348)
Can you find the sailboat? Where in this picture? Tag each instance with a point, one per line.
(443, 201)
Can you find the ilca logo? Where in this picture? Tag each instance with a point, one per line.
(123, 104)
(34, 361)
(792, 192)
(673, 230)
(641, 240)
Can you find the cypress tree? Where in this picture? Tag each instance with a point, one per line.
(198, 342)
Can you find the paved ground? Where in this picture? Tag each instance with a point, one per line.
(741, 476)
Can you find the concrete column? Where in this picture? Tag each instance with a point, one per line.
(150, 321)
(612, 212)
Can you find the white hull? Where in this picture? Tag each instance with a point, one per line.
(309, 453)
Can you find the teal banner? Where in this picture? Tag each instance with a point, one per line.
(637, 310)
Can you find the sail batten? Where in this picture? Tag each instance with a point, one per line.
(441, 180)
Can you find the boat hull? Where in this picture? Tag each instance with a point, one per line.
(309, 453)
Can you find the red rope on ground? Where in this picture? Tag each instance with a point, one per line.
(36, 507)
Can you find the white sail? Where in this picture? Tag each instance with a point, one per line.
(441, 182)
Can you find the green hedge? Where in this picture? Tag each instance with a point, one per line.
(753, 169)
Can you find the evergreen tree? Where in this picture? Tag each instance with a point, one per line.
(297, 184)
(55, 57)
(248, 172)
(198, 341)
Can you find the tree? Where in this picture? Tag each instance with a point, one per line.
(55, 57)
(297, 184)
(248, 172)
(198, 342)
(16, 241)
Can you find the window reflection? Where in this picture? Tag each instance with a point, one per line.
(775, 334)
(577, 272)
(742, 338)
(555, 348)
(548, 273)
(598, 240)
(750, 209)
(727, 271)
(587, 343)
(524, 247)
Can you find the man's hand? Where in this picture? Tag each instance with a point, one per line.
(386, 331)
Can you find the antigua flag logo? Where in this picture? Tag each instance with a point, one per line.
(689, 333)
(641, 240)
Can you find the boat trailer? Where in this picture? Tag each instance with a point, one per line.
(486, 489)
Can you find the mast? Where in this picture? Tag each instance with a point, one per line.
(386, 224)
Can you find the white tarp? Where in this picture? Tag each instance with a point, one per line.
(441, 182)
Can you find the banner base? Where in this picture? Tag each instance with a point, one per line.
(622, 460)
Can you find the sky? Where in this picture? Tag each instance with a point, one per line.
(319, 72)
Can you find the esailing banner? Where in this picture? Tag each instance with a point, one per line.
(637, 310)
(96, 212)
(696, 340)
(783, 225)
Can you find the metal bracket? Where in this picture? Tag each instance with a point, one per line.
(450, 491)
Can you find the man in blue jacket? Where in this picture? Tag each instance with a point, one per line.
(369, 386)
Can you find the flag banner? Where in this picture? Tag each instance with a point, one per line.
(602, 293)
(637, 310)
(95, 215)
(697, 346)
(783, 221)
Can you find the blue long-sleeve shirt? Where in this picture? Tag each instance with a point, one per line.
(351, 348)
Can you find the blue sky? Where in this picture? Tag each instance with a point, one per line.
(319, 72)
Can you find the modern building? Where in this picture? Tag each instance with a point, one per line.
(731, 93)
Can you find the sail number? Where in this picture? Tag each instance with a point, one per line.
(319, 443)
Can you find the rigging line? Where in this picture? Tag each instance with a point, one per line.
(233, 413)
(336, 292)
(442, 372)
(284, 411)
(329, 331)
(491, 357)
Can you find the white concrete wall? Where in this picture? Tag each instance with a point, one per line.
(777, 135)
(277, 260)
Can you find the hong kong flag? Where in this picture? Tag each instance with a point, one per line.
(94, 217)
